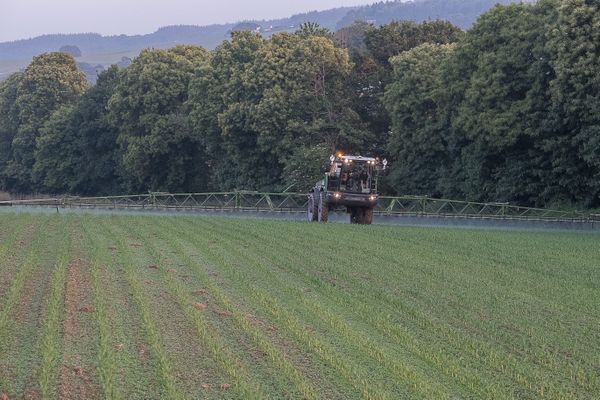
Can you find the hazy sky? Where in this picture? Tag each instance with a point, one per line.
(20, 19)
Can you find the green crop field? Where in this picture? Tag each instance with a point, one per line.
(142, 307)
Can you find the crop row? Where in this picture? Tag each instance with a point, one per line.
(163, 307)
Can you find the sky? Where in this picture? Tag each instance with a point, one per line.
(22, 19)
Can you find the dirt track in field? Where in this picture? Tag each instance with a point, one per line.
(76, 372)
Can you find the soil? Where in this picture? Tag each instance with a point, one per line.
(75, 377)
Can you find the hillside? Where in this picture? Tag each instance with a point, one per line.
(460, 12)
(205, 36)
(100, 51)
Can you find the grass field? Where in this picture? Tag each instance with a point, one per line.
(142, 307)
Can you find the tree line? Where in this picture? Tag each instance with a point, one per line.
(507, 111)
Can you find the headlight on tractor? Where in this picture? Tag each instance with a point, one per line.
(372, 197)
(337, 195)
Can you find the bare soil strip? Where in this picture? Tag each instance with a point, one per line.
(77, 376)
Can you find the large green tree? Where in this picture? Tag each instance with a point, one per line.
(573, 137)
(398, 36)
(77, 150)
(99, 164)
(221, 96)
(51, 81)
(159, 149)
(498, 80)
(420, 126)
(305, 101)
(372, 70)
(263, 105)
(57, 147)
(9, 124)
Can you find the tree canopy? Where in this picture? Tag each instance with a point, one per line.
(49, 82)
(418, 143)
(507, 111)
(159, 149)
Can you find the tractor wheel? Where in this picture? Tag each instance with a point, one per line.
(356, 215)
(313, 208)
(323, 208)
(368, 216)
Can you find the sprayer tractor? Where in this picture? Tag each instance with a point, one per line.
(351, 183)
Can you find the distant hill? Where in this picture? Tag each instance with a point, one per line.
(93, 43)
(462, 13)
(99, 51)
(206, 36)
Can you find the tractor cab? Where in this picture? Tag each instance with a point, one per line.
(352, 174)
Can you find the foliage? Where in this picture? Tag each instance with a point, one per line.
(9, 124)
(307, 29)
(266, 98)
(507, 111)
(573, 142)
(77, 149)
(220, 98)
(372, 70)
(303, 167)
(353, 38)
(304, 95)
(507, 116)
(160, 152)
(500, 73)
(56, 147)
(99, 163)
(49, 82)
(418, 139)
(398, 36)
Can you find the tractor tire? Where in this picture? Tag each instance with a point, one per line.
(368, 216)
(313, 208)
(323, 209)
